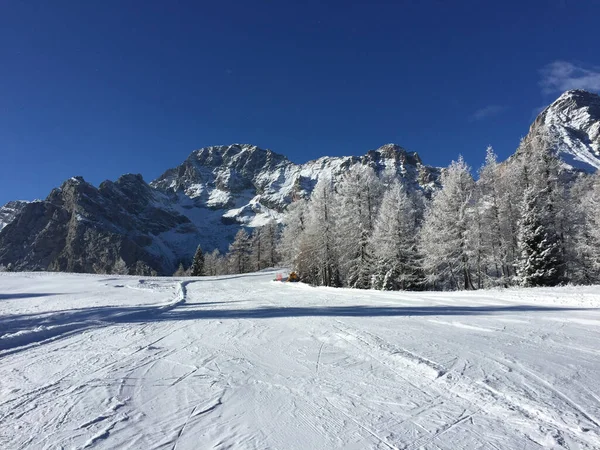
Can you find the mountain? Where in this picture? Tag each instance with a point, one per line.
(571, 126)
(9, 211)
(206, 199)
(216, 190)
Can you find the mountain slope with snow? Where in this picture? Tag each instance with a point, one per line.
(9, 211)
(90, 361)
(206, 200)
(572, 127)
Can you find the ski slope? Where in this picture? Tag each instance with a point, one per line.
(110, 362)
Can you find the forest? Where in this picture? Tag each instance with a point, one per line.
(525, 222)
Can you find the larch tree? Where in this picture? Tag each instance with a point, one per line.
(239, 253)
(317, 257)
(444, 236)
(356, 205)
(396, 261)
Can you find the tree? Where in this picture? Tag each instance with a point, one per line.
(394, 243)
(197, 268)
(317, 261)
(214, 264)
(239, 253)
(120, 267)
(143, 269)
(356, 205)
(180, 272)
(584, 251)
(443, 239)
(541, 228)
(490, 242)
(540, 260)
(294, 226)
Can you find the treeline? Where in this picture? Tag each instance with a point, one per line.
(248, 253)
(522, 222)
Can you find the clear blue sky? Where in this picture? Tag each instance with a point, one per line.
(103, 88)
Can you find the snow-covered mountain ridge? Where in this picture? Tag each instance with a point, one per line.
(9, 211)
(216, 190)
(572, 127)
(205, 200)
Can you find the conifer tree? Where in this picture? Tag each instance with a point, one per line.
(356, 205)
(197, 268)
(444, 236)
(120, 267)
(541, 227)
(317, 258)
(540, 255)
(394, 243)
(239, 253)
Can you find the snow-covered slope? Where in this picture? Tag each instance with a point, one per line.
(252, 185)
(572, 124)
(244, 362)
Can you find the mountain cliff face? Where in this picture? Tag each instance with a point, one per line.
(205, 200)
(571, 126)
(9, 211)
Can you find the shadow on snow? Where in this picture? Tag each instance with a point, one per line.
(22, 329)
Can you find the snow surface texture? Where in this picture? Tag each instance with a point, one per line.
(241, 361)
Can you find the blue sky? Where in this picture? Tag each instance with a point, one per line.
(103, 88)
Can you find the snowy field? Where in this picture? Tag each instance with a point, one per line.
(244, 362)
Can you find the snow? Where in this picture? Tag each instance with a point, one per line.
(576, 132)
(245, 362)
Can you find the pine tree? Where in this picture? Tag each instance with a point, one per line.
(540, 253)
(541, 228)
(197, 268)
(394, 243)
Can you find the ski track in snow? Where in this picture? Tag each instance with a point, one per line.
(245, 362)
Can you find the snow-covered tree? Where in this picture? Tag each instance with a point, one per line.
(120, 267)
(263, 242)
(294, 225)
(180, 272)
(317, 257)
(197, 268)
(490, 243)
(541, 227)
(239, 253)
(356, 205)
(540, 252)
(444, 241)
(396, 262)
(143, 269)
(214, 264)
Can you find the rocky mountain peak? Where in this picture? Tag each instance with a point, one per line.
(571, 127)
